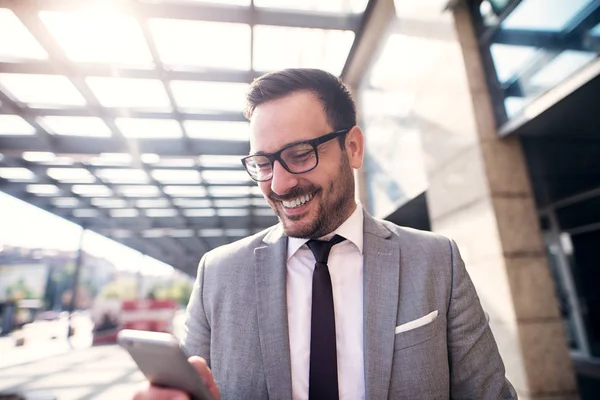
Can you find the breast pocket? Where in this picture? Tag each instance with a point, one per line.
(420, 334)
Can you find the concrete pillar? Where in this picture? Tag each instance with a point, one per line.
(479, 194)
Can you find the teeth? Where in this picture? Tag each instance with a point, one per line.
(297, 202)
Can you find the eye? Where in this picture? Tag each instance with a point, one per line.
(301, 155)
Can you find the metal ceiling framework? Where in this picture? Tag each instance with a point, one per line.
(576, 35)
(173, 220)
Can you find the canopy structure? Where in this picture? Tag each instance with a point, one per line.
(125, 117)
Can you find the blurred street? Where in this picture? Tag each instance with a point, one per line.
(105, 372)
(54, 369)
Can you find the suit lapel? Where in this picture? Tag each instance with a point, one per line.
(381, 285)
(270, 286)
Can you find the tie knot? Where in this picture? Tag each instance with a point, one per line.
(321, 248)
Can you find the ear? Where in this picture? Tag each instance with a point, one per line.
(355, 146)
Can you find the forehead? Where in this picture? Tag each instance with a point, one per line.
(295, 117)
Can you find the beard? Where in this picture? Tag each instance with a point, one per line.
(333, 209)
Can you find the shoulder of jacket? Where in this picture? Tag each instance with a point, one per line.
(235, 250)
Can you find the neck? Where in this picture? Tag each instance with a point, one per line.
(347, 213)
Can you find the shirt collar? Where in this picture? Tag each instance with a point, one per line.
(351, 229)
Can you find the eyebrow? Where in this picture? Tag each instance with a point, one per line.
(264, 153)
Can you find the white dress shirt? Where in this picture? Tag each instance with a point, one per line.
(346, 270)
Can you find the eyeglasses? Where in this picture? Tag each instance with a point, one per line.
(296, 158)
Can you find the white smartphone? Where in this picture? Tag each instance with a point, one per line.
(162, 361)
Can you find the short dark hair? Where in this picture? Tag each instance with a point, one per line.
(329, 89)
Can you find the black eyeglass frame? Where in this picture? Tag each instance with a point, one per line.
(314, 143)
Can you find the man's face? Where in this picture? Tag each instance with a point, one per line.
(314, 203)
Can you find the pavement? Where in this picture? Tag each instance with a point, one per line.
(102, 373)
(58, 369)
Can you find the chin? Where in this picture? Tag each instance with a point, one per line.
(297, 229)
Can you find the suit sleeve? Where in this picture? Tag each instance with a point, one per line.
(196, 340)
(476, 369)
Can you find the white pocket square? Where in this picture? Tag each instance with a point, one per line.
(409, 326)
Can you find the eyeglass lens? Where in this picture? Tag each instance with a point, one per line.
(296, 159)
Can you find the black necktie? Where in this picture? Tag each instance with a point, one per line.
(323, 376)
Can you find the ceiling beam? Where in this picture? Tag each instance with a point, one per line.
(541, 39)
(18, 190)
(486, 33)
(118, 112)
(150, 183)
(110, 226)
(10, 158)
(42, 170)
(107, 70)
(376, 19)
(87, 146)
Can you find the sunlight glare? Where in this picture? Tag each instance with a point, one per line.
(98, 36)
(22, 44)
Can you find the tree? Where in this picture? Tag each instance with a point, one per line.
(123, 289)
(19, 290)
(178, 291)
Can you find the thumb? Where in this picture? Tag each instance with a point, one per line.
(201, 366)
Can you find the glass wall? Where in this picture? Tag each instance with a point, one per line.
(531, 46)
(572, 233)
(394, 159)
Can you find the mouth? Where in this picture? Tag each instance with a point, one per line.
(297, 206)
(298, 201)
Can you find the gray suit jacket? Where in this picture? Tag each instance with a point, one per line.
(237, 319)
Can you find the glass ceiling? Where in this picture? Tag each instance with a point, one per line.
(128, 120)
(22, 44)
(301, 48)
(174, 39)
(532, 46)
(545, 15)
(39, 91)
(84, 38)
(75, 126)
(14, 125)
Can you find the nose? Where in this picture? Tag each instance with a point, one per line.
(282, 180)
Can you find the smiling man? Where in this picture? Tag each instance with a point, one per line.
(311, 186)
(331, 303)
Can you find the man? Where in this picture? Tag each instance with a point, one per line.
(391, 312)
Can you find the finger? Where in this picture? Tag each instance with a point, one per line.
(157, 393)
(207, 377)
(202, 367)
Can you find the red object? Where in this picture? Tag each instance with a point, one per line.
(146, 315)
(107, 337)
(148, 304)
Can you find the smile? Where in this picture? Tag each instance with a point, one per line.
(297, 202)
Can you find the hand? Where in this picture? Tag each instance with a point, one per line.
(156, 393)
(200, 364)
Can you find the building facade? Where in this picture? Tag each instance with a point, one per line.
(479, 125)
